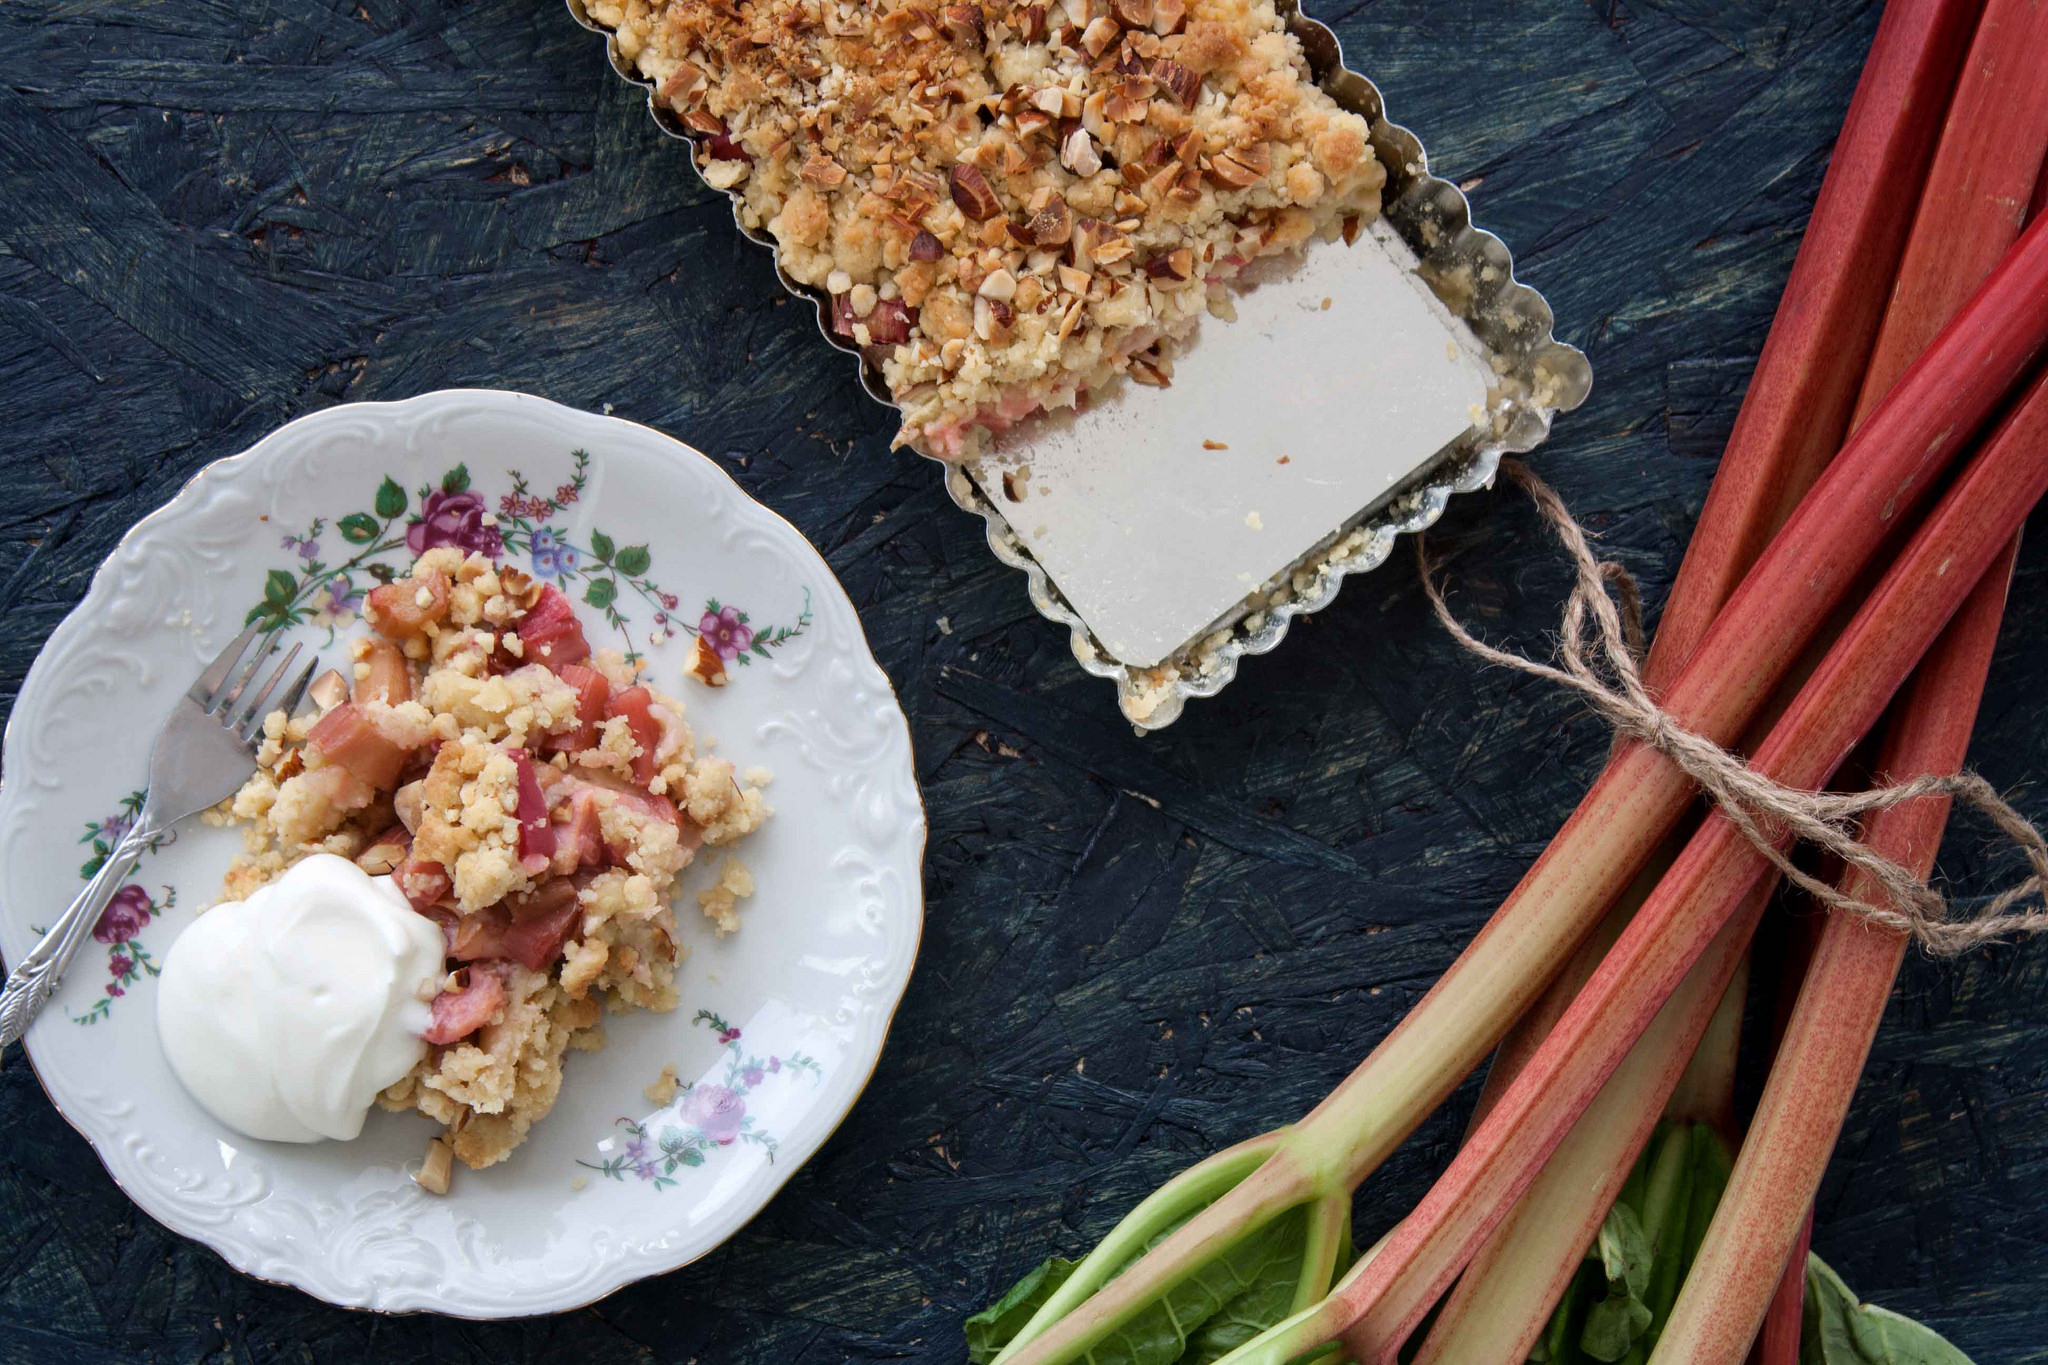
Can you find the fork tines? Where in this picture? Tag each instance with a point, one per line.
(217, 696)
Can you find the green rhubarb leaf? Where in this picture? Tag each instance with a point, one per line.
(1264, 1301)
(990, 1330)
(1617, 1322)
(1559, 1343)
(390, 500)
(1665, 1208)
(1711, 1168)
(1168, 1330)
(1841, 1330)
(1159, 1335)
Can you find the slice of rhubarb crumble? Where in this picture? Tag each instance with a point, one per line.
(534, 797)
(1008, 204)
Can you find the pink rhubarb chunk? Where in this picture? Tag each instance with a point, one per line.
(347, 737)
(636, 704)
(550, 633)
(536, 835)
(459, 1013)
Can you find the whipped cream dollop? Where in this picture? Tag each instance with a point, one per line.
(286, 1013)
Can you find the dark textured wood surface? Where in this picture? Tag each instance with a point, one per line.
(216, 216)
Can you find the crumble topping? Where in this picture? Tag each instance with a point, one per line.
(1011, 204)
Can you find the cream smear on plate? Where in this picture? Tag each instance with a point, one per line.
(286, 1013)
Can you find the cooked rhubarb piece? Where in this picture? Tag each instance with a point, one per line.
(636, 704)
(579, 836)
(542, 920)
(529, 928)
(467, 1008)
(387, 679)
(635, 799)
(593, 691)
(551, 633)
(536, 835)
(349, 737)
(479, 937)
(424, 883)
(405, 607)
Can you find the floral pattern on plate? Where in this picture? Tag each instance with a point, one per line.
(400, 526)
(127, 914)
(706, 1116)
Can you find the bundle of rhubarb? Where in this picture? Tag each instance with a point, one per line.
(1846, 581)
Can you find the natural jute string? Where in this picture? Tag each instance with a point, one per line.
(1600, 652)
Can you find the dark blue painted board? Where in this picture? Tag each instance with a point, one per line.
(216, 217)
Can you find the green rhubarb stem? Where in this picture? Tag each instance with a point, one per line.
(1759, 1221)
(1712, 879)
(1882, 474)
(1329, 1229)
(1197, 1188)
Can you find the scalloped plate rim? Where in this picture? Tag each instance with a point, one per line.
(78, 620)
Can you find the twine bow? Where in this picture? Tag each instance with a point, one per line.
(1600, 655)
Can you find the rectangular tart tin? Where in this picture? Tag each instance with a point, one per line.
(1469, 270)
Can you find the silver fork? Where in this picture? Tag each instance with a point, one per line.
(205, 751)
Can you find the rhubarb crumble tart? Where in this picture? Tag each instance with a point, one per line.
(1009, 204)
(534, 797)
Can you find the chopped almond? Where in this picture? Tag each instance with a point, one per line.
(434, 1171)
(971, 193)
(706, 666)
(823, 172)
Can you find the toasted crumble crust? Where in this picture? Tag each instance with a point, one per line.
(1009, 204)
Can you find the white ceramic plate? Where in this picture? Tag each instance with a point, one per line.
(780, 1024)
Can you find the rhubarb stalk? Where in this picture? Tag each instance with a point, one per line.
(1798, 406)
(1707, 894)
(1990, 149)
(1794, 415)
(1764, 1210)
(1795, 585)
(1990, 162)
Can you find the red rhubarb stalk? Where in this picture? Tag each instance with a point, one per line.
(1797, 409)
(1777, 1342)
(1708, 890)
(1505, 1297)
(1990, 149)
(1802, 396)
(1764, 1209)
(1794, 587)
(1991, 158)
(1977, 193)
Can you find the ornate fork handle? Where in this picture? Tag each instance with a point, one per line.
(31, 984)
